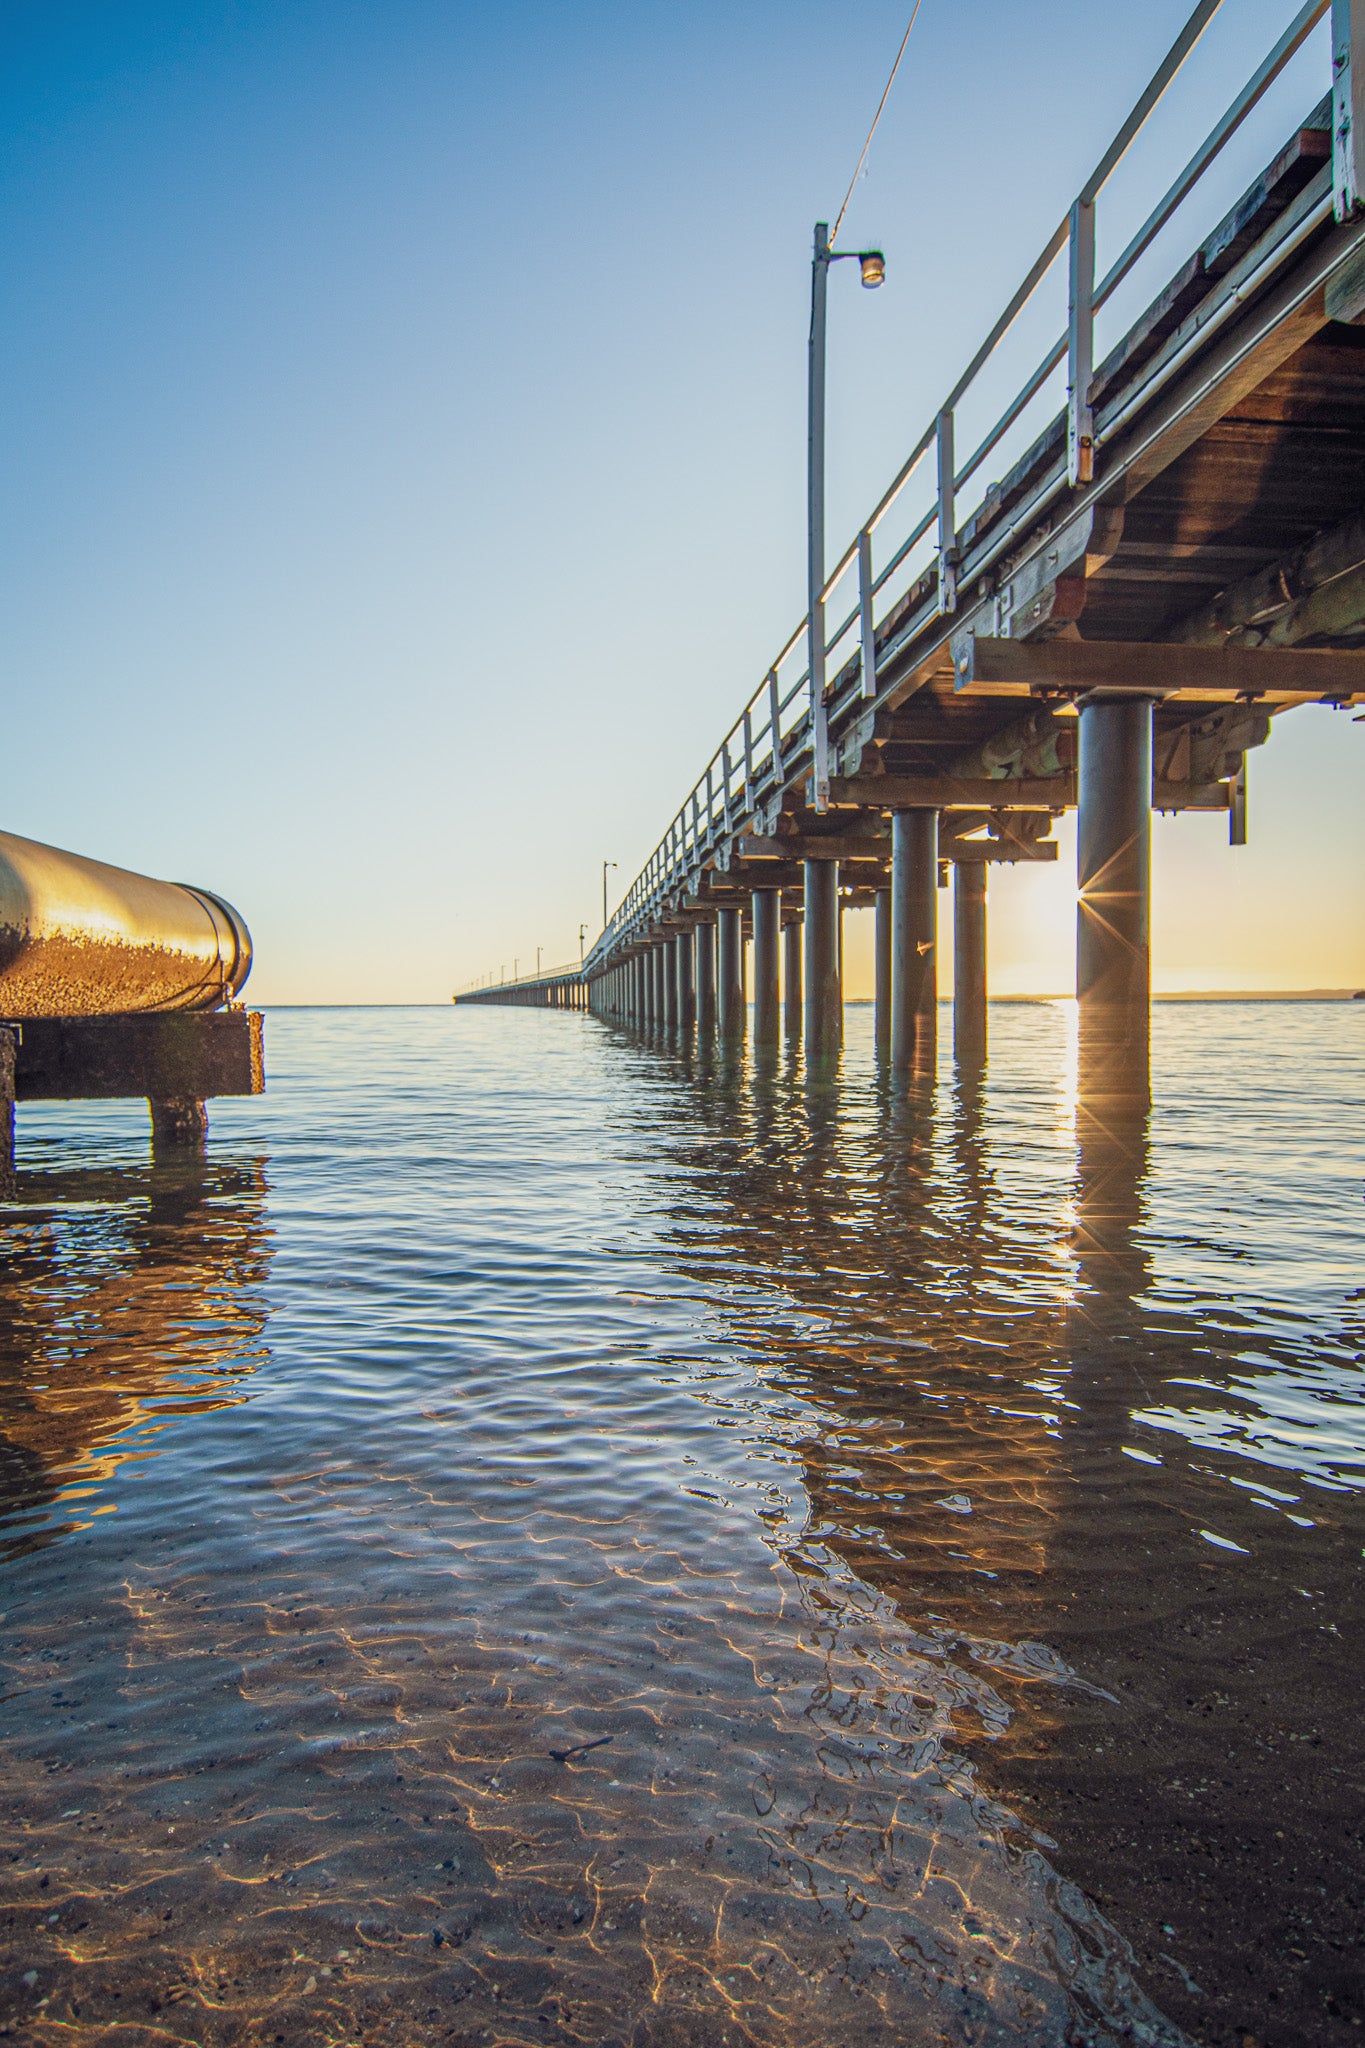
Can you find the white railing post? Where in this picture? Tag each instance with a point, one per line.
(748, 762)
(1348, 107)
(947, 514)
(775, 722)
(867, 632)
(1080, 345)
(725, 783)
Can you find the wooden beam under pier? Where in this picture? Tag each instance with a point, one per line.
(1166, 668)
(947, 792)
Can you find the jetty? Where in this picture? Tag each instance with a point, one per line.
(1112, 625)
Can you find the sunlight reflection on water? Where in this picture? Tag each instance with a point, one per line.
(568, 1543)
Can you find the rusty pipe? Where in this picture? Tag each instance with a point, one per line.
(81, 939)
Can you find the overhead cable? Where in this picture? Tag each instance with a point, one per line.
(886, 93)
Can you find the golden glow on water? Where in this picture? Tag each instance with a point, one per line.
(582, 1546)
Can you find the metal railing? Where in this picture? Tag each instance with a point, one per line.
(771, 735)
(490, 984)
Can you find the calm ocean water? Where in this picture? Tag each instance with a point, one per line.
(539, 1538)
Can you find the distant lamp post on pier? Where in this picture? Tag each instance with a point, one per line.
(539, 951)
(872, 266)
(582, 941)
(605, 865)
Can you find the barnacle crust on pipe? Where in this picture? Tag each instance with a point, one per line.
(79, 938)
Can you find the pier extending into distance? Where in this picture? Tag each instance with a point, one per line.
(1176, 559)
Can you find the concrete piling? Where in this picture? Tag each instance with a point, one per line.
(914, 930)
(668, 953)
(969, 963)
(767, 915)
(882, 974)
(1114, 895)
(687, 992)
(824, 1001)
(792, 978)
(730, 973)
(706, 977)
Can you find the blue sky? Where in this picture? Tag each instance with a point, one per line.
(403, 439)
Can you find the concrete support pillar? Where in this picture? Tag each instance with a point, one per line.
(969, 962)
(1114, 896)
(882, 974)
(914, 939)
(824, 1023)
(730, 974)
(706, 977)
(179, 1124)
(792, 976)
(669, 953)
(687, 988)
(767, 913)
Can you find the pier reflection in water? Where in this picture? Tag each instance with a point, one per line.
(953, 1547)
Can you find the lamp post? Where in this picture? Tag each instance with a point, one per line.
(539, 951)
(873, 265)
(605, 865)
(582, 941)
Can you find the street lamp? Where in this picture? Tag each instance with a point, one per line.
(582, 941)
(605, 865)
(872, 265)
(539, 951)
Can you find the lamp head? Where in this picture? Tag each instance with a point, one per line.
(873, 266)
